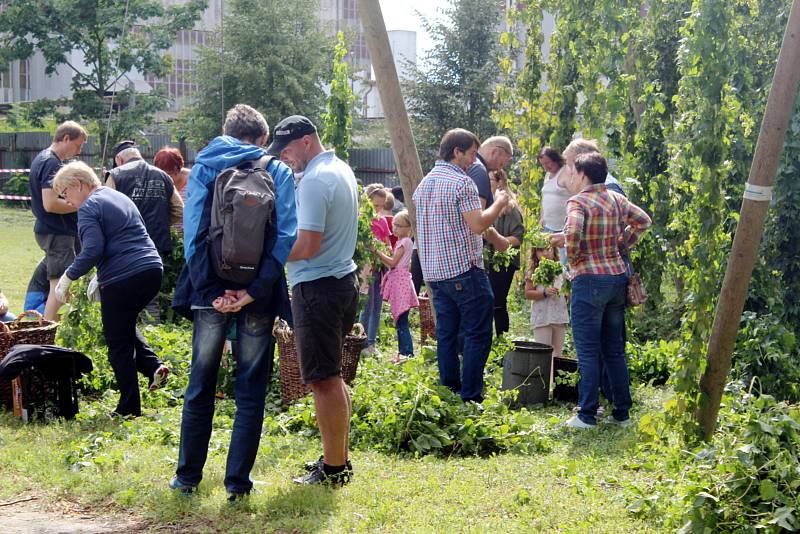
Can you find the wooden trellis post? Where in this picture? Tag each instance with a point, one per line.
(758, 192)
(394, 109)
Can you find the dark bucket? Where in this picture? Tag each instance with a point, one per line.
(526, 368)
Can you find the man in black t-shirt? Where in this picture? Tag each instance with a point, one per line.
(56, 228)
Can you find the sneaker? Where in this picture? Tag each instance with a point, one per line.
(159, 377)
(317, 475)
(611, 420)
(176, 485)
(310, 466)
(400, 358)
(575, 422)
(600, 410)
(371, 350)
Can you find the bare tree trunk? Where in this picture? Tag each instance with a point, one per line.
(394, 109)
(758, 192)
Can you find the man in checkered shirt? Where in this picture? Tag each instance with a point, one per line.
(450, 222)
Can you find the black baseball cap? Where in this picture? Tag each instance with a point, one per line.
(289, 129)
(119, 147)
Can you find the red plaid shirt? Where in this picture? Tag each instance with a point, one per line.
(600, 223)
(447, 247)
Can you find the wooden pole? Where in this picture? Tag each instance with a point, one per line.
(394, 109)
(751, 223)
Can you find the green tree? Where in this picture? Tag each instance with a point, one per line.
(113, 37)
(519, 108)
(455, 87)
(338, 119)
(272, 55)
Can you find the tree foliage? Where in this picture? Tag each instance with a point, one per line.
(98, 41)
(338, 118)
(269, 54)
(454, 87)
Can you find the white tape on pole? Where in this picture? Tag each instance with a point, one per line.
(759, 193)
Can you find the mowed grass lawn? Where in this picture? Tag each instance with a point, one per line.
(19, 252)
(582, 484)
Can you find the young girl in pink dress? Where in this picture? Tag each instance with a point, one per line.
(398, 287)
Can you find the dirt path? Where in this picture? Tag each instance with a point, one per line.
(27, 515)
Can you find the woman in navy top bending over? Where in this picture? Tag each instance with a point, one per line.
(129, 270)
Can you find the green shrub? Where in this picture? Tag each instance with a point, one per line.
(403, 409)
(81, 329)
(750, 480)
(173, 264)
(767, 349)
(653, 361)
(17, 184)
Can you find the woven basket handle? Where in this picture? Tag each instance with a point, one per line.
(358, 330)
(4, 329)
(30, 313)
(281, 330)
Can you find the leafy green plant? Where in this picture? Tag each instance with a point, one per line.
(767, 349)
(546, 273)
(365, 239)
(499, 259)
(750, 480)
(173, 264)
(338, 119)
(17, 184)
(405, 410)
(567, 378)
(538, 239)
(653, 361)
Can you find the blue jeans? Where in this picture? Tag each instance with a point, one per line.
(405, 345)
(598, 326)
(464, 302)
(371, 314)
(253, 349)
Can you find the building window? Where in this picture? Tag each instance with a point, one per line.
(179, 84)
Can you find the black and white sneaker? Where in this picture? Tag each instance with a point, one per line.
(317, 475)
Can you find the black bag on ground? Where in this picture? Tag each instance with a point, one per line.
(49, 374)
(241, 214)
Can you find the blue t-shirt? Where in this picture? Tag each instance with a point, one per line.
(480, 175)
(113, 238)
(327, 202)
(43, 168)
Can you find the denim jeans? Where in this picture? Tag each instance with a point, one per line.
(464, 302)
(405, 345)
(598, 325)
(253, 349)
(371, 314)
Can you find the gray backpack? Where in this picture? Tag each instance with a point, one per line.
(241, 216)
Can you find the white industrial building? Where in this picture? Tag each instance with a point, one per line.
(26, 80)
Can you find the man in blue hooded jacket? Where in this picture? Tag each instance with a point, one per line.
(212, 303)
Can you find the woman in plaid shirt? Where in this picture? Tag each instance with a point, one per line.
(599, 224)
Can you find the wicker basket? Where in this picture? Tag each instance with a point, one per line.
(292, 386)
(427, 326)
(39, 332)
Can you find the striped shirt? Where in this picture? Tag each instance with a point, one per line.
(600, 223)
(447, 247)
